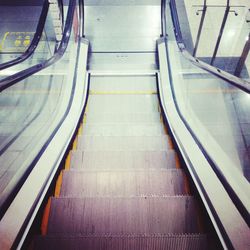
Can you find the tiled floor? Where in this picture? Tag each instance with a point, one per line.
(234, 36)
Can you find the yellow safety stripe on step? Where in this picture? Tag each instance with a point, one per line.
(161, 118)
(80, 130)
(186, 185)
(45, 219)
(165, 129)
(58, 185)
(92, 92)
(84, 118)
(75, 144)
(67, 162)
(170, 143)
(177, 161)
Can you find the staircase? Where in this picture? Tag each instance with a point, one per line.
(124, 188)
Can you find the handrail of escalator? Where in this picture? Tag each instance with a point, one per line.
(64, 131)
(28, 72)
(11, 80)
(237, 82)
(37, 36)
(233, 80)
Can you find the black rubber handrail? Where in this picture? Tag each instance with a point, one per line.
(13, 79)
(36, 39)
(233, 80)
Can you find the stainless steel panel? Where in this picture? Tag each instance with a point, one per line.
(120, 182)
(123, 216)
(122, 28)
(123, 159)
(131, 242)
(120, 143)
(124, 84)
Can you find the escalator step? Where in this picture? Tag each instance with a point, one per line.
(123, 103)
(80, 183)
(124, 129)
(123, 159)
(134, 242)
(126, 143)
(121, 216)
(131, 84)
(105, 117)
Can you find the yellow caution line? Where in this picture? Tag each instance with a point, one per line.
(33, 92)
(122, 92)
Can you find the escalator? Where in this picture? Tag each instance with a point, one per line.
(121, 151)
(124, 188)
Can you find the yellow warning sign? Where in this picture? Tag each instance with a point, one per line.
(18, 43)
(26, 43)
(15, 42)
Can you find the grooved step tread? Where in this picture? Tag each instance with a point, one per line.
(120, 143)
(137, 215)
(124, 84)
(124, 129)
(123, 103)
(122, 183)
(133, 242)
(123, 159)
(107, 117)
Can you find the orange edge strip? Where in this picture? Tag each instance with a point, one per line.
(85, 118)
(177, 161)
(186, 185)
(75, 144)
(80, 130)
(58, 184)
(45, 219)
(199, 220)
(170, 143)
(67, 162)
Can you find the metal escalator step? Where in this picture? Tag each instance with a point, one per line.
(108, 117)
(119, 215)
(123, 103)
(124, 129)
(123, 159)
(82, 183)
(133, 242)
(120, 143)
(124, 84)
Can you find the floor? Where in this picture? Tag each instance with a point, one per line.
(234, 37)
